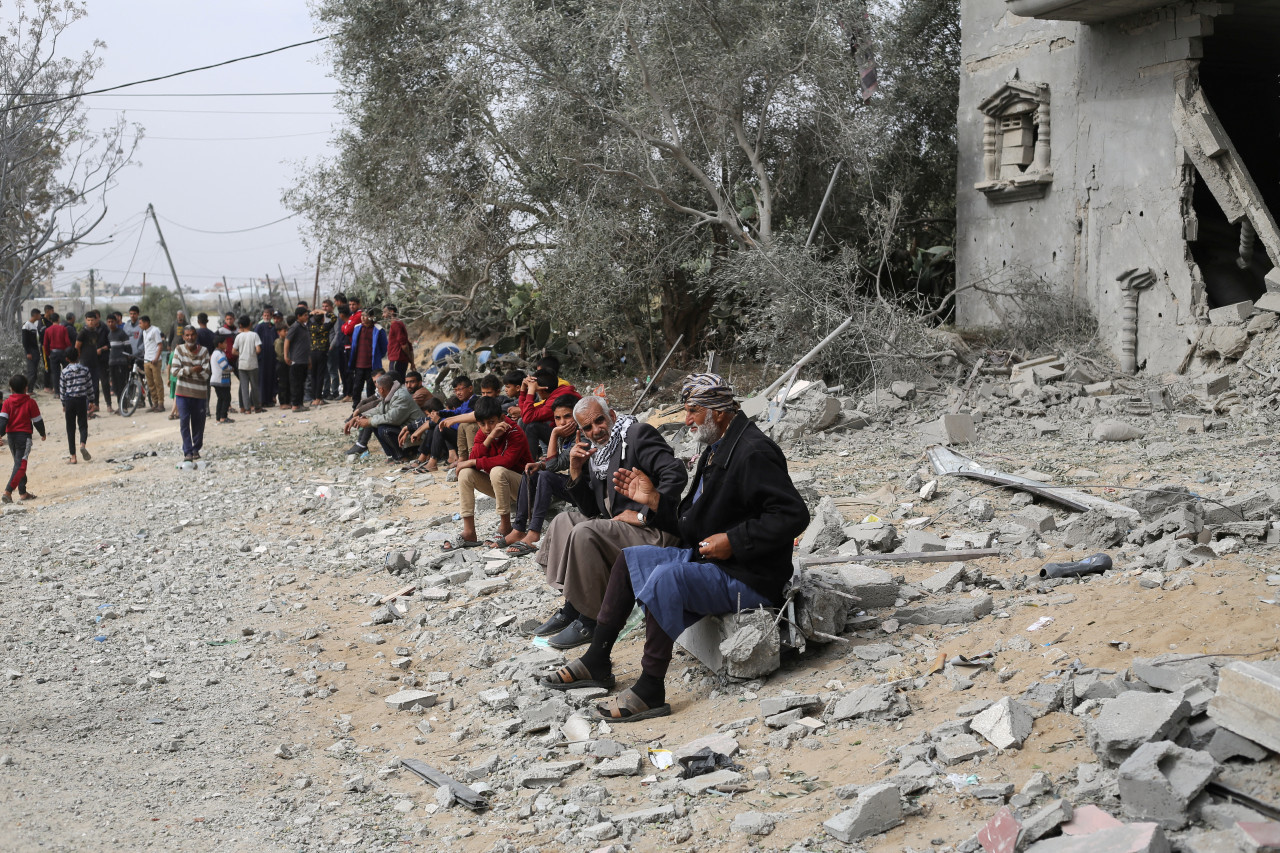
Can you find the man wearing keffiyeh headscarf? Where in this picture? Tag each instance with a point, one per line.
(736, 527)
(581, 545)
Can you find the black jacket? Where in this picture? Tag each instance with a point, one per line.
(747, 494)
(643, 448)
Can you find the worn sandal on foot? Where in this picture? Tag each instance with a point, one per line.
(575, 676)
(521, 549)
(460, 543)
(627, 707)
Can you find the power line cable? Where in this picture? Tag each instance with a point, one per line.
(232, 138)
(215, 112)
(237, 231)
(174, 74)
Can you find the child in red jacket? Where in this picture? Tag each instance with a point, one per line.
(495, 467)
(18, 416)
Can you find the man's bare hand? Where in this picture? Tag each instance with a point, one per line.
(629, 516)
(500, 430)
(716, 547)
(578, 457)
(533, 468)
(404, 435)
(635, 485)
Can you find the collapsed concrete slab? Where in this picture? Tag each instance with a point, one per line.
(1159, 781)
(1248, 701)
(1133, 719)
(969, 609)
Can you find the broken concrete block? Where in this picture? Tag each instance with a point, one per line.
(918, 541)
(1114, 430)
(1132, 719)
(1189, 424)
(778, 704)
(406, 699)
(1040, 823)
(752, 823)
(945, 579)
(870, 700)
(1223, 341)
(1128, 838)
(626, 764)
(1094, 529)
(958, 748)
(826, 531)
(1006, 724)
(876, 536)
(1230, 315)
(752, 655)
(958, 429)
(1226, 744)
(1036, 518)
(1269, 301)
(720, 742)
(1100, 389)
(1211, 384)
(981, 510)
(877, 809)
(656, 814)
(1160, 779)
(1248, 701)
(968, 609)
(874, 587)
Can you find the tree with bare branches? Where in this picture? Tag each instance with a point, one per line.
(55, 171)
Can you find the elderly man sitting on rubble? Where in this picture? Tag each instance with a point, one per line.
(396, 408)
(737, 523)
(581, 545)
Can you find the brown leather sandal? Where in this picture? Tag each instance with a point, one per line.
(627, 707)
(575, 676)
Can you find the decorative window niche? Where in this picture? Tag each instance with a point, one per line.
(1015, 143)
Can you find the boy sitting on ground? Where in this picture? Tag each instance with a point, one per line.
(498, 456)
(544, 481)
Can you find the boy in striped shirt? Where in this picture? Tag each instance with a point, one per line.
(75, 389)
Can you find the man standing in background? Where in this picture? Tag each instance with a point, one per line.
(399, 349)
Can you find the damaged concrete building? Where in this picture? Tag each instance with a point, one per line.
(1124, 152)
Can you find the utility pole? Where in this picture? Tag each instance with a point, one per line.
(151, 210)
(144, 288)
(315, 293)
(93, 299)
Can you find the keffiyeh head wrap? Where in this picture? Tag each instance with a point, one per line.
(709, 391)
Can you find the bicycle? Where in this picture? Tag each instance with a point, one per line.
(135, 389)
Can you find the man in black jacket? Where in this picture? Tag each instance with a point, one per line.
(737, 525)
(581, 546)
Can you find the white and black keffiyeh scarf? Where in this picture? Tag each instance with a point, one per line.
(600, 459)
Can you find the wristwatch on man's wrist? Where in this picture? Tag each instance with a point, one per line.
(643, 515)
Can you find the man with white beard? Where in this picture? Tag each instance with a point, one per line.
(581, 545)
(736, 528)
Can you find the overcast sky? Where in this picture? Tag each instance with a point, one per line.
(209, 163)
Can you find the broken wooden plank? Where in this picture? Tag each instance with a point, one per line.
(905, 557)
(465, 795)
(408, 590)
